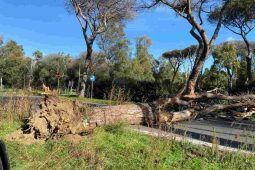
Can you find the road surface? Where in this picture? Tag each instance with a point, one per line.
(239, 135)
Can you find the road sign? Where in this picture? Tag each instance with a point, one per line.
(92, 78)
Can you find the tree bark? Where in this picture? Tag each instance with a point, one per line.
(249, 67)
(199, 33)
(248, 59)
(230, 83)
(174, 117)
(173, 77)
(193, 78)
(132, 114)
(83, 84)
(88, 62)
(1, 83)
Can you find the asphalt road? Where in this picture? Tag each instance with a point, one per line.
(225, 133)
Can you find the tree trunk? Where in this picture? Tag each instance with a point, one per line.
(230, 81)
(1, 83)
(86, 69)
(173, 80)
(132, 114)
(193, 78)
(30, 76)
(29, 84)
(199, 33)
(249, 67)
(248, 59)
(57, 118)
(83, 84)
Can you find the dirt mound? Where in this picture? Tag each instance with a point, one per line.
(57, 118)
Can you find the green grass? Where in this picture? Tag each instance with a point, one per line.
(9, 92)
(88, 100)
(5, 92)
(113, 147)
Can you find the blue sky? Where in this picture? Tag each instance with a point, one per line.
(46, 25)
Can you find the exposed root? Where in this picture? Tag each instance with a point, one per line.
(56, 118)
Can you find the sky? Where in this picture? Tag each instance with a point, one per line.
(47, 26)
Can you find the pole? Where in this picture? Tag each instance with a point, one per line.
(92, 84)
(1, 83)
(79, 79)
(31, 75)
(58, 84)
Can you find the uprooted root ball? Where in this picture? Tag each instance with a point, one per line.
(56, 118)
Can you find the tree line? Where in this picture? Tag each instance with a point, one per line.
(140, 75)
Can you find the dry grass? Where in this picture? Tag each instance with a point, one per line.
(15, 107)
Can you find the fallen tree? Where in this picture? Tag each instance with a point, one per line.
(55, 118)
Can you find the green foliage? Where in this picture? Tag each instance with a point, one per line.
(50, 68)
(239, 16)
(12, 50)
(141, 77)
(164, 79)
(213, 78)
(225, 57)
(13, 65)
(115, 49)
(38, 55)
(142, 68)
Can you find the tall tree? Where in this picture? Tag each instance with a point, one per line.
(142, 67)
(115, 46)
(225, 56)
(95, 17)
(13, 50)
(14, 65)
(194, 11)
(239, 17)
(38, 55)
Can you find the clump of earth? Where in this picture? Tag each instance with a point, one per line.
(56, 118)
